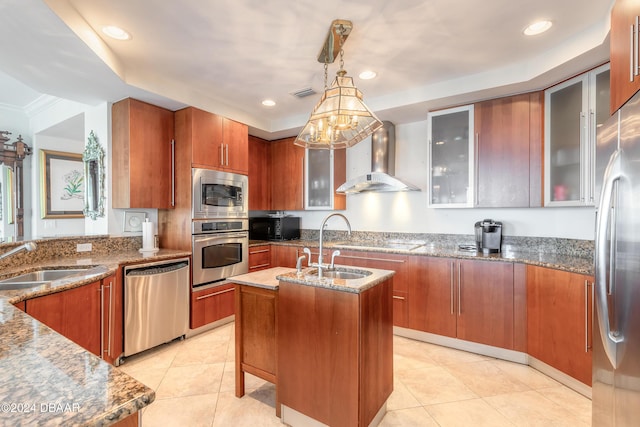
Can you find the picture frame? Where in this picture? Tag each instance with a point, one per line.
(62, 189)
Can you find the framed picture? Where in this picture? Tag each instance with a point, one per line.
(62, 184)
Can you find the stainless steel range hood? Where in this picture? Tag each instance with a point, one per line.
(383, 165)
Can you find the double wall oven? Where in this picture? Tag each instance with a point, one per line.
(220, 224)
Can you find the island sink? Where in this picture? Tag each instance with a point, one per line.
(339, 273)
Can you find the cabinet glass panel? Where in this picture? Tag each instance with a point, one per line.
(450, 156)
(319, 182)
(565, 107)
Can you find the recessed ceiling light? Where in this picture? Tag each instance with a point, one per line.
(116, 32)
(367, 75)
(537, 27)
(269, 103)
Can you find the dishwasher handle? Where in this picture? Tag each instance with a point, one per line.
(157, 269)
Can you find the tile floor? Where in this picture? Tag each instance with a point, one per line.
(434, 386)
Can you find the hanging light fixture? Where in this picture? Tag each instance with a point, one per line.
(340, 119)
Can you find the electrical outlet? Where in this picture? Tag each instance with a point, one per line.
(83, 247)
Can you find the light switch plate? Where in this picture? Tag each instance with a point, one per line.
(83, 247)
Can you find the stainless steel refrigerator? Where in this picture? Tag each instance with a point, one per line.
(616, 331)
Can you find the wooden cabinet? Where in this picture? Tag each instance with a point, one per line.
(287, 175)
(217, 142)
(401, 280)
(256, 333)
(432, 306)
(112, 318)
(259, 175)
(20, 305)
(142, 155)
(211, 304)
(285, 256)
(259, 257)
(74, 313)
(335, 352)
(509, 151)
(573, 111)
(624, 48)
(559, 320)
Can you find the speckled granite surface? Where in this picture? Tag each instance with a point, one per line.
(45, 378)
(309, 277)
(571, 255)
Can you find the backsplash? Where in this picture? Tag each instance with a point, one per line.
(572, 247)
(67, 247)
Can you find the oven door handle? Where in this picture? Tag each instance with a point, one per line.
(219, 236)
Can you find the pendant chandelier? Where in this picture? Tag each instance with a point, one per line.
(340, 119)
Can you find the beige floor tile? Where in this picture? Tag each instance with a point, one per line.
(525, 374)
(451, 356)
(475, 412)
(401, 397)
(228, 383)
(411, 417)
(576, 403)
(435, 385)
(254, 409)
(485, 379)
(201, 351)
(147, 375)
(530, 408)
(159, 357)
(192, 411)
(190, 380)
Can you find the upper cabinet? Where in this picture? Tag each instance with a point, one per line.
(573, 111)
(624, 52)
(142, 169)
(217, 142)
(259, 175)
(452, 157)
(488, 154)
(509, 151)
(287, 178)
(325, 170)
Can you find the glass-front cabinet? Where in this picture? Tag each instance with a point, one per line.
(319, 191)
(451, 157)
(574, 110)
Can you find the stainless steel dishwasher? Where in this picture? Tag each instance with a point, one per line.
(156, 304)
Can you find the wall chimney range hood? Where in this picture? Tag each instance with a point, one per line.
(383, 159)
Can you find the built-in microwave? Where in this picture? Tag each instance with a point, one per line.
(218, 194)
(278, 228)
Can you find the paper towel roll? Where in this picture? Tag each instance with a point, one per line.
(148, 239)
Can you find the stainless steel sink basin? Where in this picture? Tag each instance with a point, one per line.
(341, 274)
(37, 278)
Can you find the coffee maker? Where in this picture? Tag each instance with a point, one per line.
(488, 236)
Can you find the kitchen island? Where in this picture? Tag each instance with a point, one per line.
(333, 341)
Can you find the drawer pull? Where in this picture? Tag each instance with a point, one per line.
(397, 297)
(259, 266)
(214, 294)
(261, 251)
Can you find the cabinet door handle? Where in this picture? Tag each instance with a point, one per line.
(110, 325)
(101, 290)
(226, 158)
(635, 46)
(173, 172)
(451, 285)
(221, 154)
(592, 155)
(302, 174)
(583, 151)
(586, 316)
(214, 294)
(459, 290)
(476, 173)
(398, 297)
(631, 49)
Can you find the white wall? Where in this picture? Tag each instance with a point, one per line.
(408, 212)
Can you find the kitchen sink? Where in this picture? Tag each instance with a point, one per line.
(341, 274)
(37, 278)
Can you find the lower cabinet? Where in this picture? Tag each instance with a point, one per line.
(259, 257)
(211, 304)
(285, 256)
(466, 299)
(74, 313)
(397, 263)
(559, 320)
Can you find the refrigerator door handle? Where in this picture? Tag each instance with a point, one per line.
(605, 256)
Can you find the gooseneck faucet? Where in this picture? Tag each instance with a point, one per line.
(322, 227)
(29, 246)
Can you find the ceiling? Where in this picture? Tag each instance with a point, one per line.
(226, 57)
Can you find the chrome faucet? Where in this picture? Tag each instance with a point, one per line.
(29, 246)
(320, 265)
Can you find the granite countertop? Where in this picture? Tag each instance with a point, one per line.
(573, 264)
(49, 380)
(270, 278)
